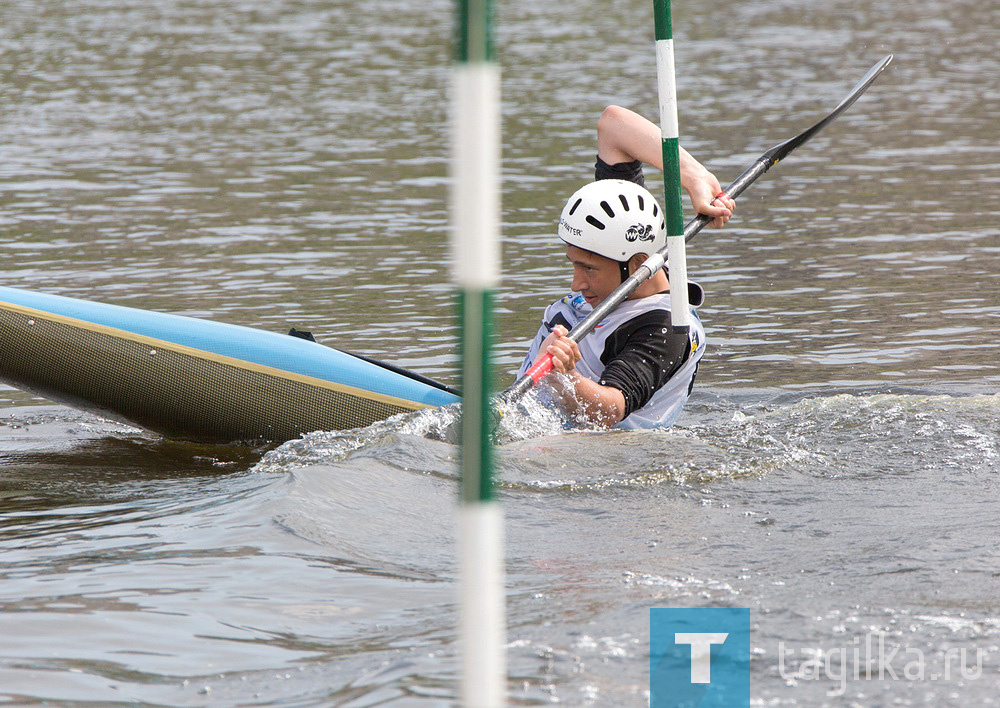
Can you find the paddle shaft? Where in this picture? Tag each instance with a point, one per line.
(654, 263)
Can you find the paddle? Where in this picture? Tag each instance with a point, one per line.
(655, 262)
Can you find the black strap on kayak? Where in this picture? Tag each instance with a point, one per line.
(308, 336)
(406, 372)
(385, 365)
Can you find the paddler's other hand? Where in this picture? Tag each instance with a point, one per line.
(707, 196)
(564, 351)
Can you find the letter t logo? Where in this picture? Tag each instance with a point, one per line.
(701, 652)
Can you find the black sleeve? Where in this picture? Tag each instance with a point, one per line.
(629, 171)
(641, 356)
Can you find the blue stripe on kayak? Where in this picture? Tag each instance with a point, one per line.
(278, 351)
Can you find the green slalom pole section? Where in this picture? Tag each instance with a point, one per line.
(680, 313)
(475, 240)
(476, 318)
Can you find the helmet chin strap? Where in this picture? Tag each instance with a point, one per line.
(623, 269)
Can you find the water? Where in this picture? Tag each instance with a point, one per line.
(284, 164)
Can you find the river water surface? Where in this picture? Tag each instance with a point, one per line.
(284, 163)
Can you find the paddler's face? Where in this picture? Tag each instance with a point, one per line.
(594, 276)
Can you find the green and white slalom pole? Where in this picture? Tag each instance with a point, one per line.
(680, 313)
(475, 205)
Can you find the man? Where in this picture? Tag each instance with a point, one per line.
(632, 371)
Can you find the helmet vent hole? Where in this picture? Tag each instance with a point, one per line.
(641, 204)
(607, 209)
(655, 210)
(663, 224)
(595, 223)
(578, 202)
(624, 201)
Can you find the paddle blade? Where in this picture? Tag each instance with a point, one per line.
(779, 152)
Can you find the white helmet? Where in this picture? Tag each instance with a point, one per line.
(615, 219)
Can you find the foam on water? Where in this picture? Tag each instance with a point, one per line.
(880, 433)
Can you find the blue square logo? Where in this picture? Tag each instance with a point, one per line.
(699, 658)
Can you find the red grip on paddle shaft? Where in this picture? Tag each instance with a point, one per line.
(540, 369)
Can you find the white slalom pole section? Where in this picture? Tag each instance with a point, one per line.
(475, 239)
(667, 89)
(680, 313)
(482, 623)
(475, 200)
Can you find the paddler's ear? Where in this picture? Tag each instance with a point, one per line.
(635, 261)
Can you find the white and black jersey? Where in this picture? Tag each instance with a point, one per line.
(636, 351)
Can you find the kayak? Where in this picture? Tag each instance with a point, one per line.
(193, 379)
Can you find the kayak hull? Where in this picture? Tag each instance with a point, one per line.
(193, 379)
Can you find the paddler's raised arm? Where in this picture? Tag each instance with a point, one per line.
(625, 136)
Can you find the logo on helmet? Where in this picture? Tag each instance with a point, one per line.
(639, 232)
(572, 230)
